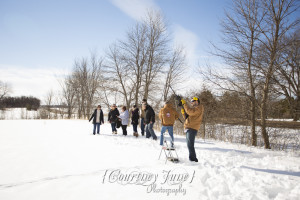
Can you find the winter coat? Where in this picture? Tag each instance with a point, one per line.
(195, 117)
(168, 115)
(113, 115)
(125, 117)
(135, 116)
(94, 116)
(149, 115)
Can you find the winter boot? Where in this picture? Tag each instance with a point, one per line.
(193, 159)
(172, 144)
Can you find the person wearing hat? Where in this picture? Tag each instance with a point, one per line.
(167, 115)
(113, 117)
(192, 123)
(98, 119)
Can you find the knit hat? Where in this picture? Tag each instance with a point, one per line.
(195, 99)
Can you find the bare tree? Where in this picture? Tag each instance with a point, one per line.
(107, 92)
(5, 89)
(68, 95)
(79, 80)
(253, 32)
(94, 79)
(85, 80)
(174, 70)
(287, 74)
(134, 51)
(61, 105)
(135, 64)
(244, 37)
(240, 34)
(120, 72)
(157, 40)
(274, 29)
(49, 99)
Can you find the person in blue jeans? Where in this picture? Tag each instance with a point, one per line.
(190, 139)
(193, 115)
(142, 126)
(167, 115)
(135, 119)
(113, 116)
(149, 121)
(170, 131)
(98, 119)
(143, 117)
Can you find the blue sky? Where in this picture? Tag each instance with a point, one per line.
(39, 40)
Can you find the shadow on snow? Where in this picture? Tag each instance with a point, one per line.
(272, 171)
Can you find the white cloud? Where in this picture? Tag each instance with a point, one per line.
(136, 9)
(190, 41)
(30, 81)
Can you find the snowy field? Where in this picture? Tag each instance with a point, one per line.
(62, 159)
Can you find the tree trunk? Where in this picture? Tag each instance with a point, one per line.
(263, 115)
(253, 124)
(296, 113)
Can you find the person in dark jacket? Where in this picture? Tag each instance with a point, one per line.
(135, 119)
(143, 117)
(98, 119)
(113, 117)
(149, 121)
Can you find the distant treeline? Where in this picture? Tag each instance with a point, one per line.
(31, 103)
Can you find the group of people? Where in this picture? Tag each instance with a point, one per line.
(192, 114)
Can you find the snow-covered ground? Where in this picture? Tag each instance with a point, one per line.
(62, 159)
